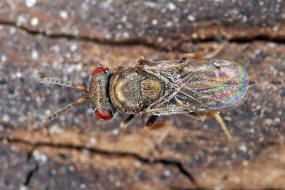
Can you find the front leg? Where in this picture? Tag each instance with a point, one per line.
(142, 62)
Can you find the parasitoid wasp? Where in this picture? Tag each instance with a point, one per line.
(192, 85)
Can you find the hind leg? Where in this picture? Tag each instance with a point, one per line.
(151, 126)
(217, 117)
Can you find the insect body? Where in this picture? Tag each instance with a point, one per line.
(198, 87)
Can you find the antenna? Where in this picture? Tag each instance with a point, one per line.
(65, 109)
(68, 107)
(50, 80)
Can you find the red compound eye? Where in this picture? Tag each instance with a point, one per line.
(99, 70)
(103, 114)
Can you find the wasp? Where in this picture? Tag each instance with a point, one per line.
(200, 88)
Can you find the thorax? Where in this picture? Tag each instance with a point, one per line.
(132, 90)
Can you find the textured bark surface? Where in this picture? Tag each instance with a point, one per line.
(67, 39)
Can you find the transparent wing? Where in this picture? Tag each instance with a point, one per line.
(198, 85)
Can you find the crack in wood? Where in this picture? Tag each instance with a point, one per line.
(136, 42)
(112, 154)
(150, 161)
(131, 42)
(30, 175)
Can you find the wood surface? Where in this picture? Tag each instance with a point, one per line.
(69, 38)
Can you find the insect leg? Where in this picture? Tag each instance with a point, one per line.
(208, 56)
(151, 126)
(142, 61)
(150, 122)
(251, 83)
(216, 52)
(217, 117)
(191, 56)
(50, 80)
(194, 115)
(124, 124)
(223, 125)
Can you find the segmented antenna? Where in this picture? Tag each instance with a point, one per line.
(57, 81)
(50, 80)
(68, 107)
(64, 110)
(59, 112)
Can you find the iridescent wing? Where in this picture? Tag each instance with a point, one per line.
(199, 86)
